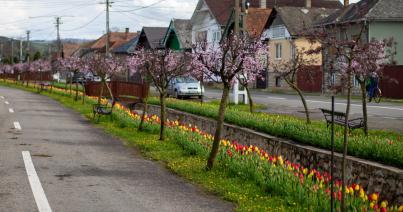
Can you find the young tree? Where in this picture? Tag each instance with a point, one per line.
(37, 68)
(222, 63)
(105, 68)
(162, 66)
(72, 65)
(300, 63)
(370, 63)
(350, 57)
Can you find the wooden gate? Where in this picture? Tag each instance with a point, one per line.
(310, 81)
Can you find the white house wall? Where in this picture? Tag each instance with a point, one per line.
(203, 20)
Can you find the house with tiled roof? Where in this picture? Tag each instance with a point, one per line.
(210, 17)
(284, 36)
(179, 35)
(116, 39)
(152, 38)
(373, 19)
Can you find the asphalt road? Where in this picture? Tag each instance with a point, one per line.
(52, 158)
(387, 116)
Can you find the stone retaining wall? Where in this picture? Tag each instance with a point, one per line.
(375, 177)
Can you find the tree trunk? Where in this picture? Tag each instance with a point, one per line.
(76, 98)
(250, 98)
(101, 93)
(65, 86)
(364, 106)
(163, 116)
(84, 94)
(345, 145)
(110, 91)
(145, 110)
(71, 80)
(301, 95)
(219, 126)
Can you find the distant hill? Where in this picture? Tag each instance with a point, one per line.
(41, 46)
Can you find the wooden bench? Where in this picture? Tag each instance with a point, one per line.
(44, 85)
(340, 118)
(102, 110)
(130, 101)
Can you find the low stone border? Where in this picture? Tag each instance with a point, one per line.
(374, 177)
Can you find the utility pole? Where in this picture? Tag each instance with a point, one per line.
(12, 51)
(59, 42)
(2, 51)
(107, 28)
(28, 47)
(20, 50)
(237, 14)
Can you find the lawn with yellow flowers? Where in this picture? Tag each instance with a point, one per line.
(245, 175)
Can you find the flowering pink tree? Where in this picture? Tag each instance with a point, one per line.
(349, 57)
(72, 65)
(37, 68)
(161, 66)
(370, 62)
(105, 68)
(222, 63)
(300, 63)
(6, 69)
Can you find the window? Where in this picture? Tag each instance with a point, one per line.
(356, 83)
(278, 50)
(333, 79)
(278, 32)
(216, 36)
(278, 81)
(201, 36)
(292, 52)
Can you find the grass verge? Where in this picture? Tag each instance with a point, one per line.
(246, 194)
(380, 146)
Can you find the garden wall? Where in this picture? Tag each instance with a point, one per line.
(374, 177)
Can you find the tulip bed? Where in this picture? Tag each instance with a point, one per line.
(296, 187)
(380, 146)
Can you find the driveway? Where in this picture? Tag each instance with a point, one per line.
(51, 158)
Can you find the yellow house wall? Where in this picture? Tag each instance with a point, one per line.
(304, 44)
(300, 43)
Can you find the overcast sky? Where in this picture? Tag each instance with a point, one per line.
(86, 18)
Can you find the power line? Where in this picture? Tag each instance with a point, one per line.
(84, 25)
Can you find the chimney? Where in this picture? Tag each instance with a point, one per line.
(346, 3)
(308, 3)
(126, 33)
(263, 4)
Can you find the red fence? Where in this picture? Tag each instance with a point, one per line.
(119, 89)
(391, 83)
(37, 76)
(310, 81)
(29, 76)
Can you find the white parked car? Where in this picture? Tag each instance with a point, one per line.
(181, 87)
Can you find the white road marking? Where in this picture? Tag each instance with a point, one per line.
(390, 118)
(2, 97)
(356, 105)
(17, 125)
(6, 103)
(36, 186)
(276, 98)
(11, 110)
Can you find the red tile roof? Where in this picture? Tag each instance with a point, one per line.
(256, 20)
(117, 39)
(70, 48)
(221, 9)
